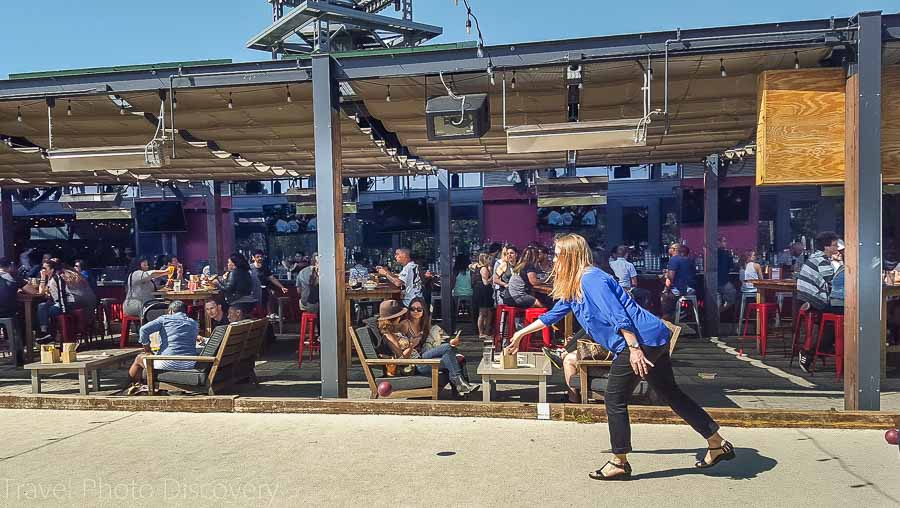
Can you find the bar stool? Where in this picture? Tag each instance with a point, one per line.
(805, 321)
(762, 311)
(685, 301)
(510, 313)
(837, 321)
(73, 326)
(780, 297)
(126, 324)
(105, 312)
(531, 315)
(745, 299)
(15, 340)
(307, 336)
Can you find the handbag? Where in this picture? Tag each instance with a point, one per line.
(590, 350)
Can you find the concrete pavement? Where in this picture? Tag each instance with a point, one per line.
(65, 458)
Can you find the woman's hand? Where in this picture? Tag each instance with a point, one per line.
(639, 363)
(513, 346)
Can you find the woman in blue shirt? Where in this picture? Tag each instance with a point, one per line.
(640, 342)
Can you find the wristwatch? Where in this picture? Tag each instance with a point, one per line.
(636, 346)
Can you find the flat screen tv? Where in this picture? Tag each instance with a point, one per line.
(403, 215)
(160, 217)
(568, 217)
(734, 205)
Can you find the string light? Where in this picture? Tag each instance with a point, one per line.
(122, 108)
(469, 24)
(230, 102)
(722, 70)
(513, 82)
(796, 60)
(388, 97)
(174, 100)
(289, 98)
(68, 108)
(19, 114)
(480, 51)
(490, 71)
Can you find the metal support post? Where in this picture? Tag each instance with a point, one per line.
(330, 228)
(862, 218)
(710, 246)
(214, 228)
(444, 248)
(6, 224)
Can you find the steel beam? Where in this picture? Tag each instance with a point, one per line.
(710, 247)
(457, 58)
(330, 228)
(443, 213)
(6, 224)
(214, 228)
(862, 217)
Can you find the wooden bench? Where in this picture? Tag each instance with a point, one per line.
(216, 370)
(404, 386)
(596, 367)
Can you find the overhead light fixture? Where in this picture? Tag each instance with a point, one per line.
(449, 118)
(108, 158)
(91, 201)
(567, 136)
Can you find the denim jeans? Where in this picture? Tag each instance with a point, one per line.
(447, 354)
(47, 311)
(622, 382)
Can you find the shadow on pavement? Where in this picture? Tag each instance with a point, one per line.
(748, 464)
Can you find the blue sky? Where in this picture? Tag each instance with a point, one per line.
(65, 34)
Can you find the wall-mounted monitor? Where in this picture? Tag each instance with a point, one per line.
(160, 217)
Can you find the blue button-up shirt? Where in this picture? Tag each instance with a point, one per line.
(177, 336)
(605, 310)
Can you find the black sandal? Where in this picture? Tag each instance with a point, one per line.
(727, 454)
(598, 474)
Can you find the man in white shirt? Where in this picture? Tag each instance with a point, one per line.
(627, 275)
(408, 279)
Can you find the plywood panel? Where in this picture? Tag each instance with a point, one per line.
(800, 127)
(890, 123)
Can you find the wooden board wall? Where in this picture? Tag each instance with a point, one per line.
(890, 123)
(800, 127)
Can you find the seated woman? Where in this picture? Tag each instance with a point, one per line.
(503, 273)
(66, 290)
(238, 287)
(526, 289)
(139, 287)
(407, 341)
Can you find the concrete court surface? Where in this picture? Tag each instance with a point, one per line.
(85, 458)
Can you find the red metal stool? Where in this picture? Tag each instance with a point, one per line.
(805, 321)
(307, 336)
(836, 320)
(763, 311)
(73, 326)
(126, 324)
(510, 313)
(531, 315)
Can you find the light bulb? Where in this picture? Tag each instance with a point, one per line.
(19, 114)
(289, 98)
(230, 102)
(513, 82)
(480, 51)
(796, 60)
(121, 109)
(722, 70)
(468, 25)
(174, 101)
(388, 97)
(69, 108)
(650, 70)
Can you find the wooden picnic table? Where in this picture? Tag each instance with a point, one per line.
(28, 301)
(532, 367)
(380, 293)
(89, 363)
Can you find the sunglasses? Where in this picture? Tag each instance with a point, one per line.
(417, 309)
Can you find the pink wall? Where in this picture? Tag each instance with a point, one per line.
(510, 216)
(740, 236)
(192, 246)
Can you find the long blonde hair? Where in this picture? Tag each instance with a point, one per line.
(574, 258)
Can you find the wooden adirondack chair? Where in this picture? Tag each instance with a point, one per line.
(403, 386)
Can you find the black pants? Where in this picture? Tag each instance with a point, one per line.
(622, 382)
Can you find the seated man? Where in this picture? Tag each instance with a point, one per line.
(216, 316)
(177, 337)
